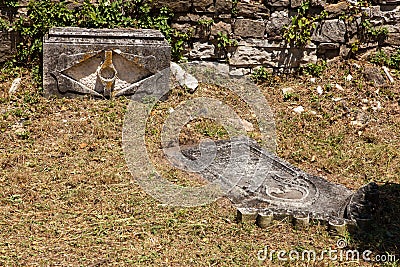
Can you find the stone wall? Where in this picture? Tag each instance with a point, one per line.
(257, 27)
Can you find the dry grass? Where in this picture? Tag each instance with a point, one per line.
(67, 197)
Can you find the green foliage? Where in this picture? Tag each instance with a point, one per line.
(205, 22)
(382, 59)
(8, 3)
(371, 33)
(298, 33)
(261, 74)
(4, 24)
(314, 70)
(43, 15)
(223, 41)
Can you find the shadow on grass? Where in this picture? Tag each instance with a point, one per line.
(382, 236)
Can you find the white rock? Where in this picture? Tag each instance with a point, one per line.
(248, 126)
(183, 78)
(364, 100)
(298, 109)
(386, 70)
(14, 86)
(336, 99)
(319, 90)
(377, 106)
(287, 90)
(312, 80)
(349, 78)
(170, 110)
(339, 87)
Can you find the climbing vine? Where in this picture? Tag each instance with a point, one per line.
(298, 32)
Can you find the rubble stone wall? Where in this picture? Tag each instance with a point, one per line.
(257, 26)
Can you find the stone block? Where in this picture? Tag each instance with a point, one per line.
(249, 28)
(251, 56)
(204, 5)
(223, 6)
(252, 9)
(175, 6)
(275, 24)
(104, 62)
(221, 27)
(202, 51)
(330, 31)
(337, 9)
(278, 3)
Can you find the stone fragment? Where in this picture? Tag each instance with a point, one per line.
(202, 51)
(239, 72)
(14, 86)
(373, 74)
(319, 90)
(265, 187)
(184, 79)
(387, 72)
(287, 90)
(221, 27)
(249, 28)
(330, 31)
(245, 215)
(298, 109)
(105, 62)
(278, 3)
(264, 219)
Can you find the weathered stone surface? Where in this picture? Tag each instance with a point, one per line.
(393, 37)
(249, 28)
(204, 5)
(258, 182)
(176, 6)
(183, 78)
(249, 56)
(104, 62)
(274, 57)
(373, 74)
(278, 3)
(296, 3)
(202, 51)
(330, 31)
(337, 9)
(252, 9)
(221, 27)
(275, 24)
(223, 6)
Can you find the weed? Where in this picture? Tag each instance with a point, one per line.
(261, 74)
(382, 59)
(314, 69)
(298, 33)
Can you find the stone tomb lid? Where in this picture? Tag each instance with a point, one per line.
(130, 33)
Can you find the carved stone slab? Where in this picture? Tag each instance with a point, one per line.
(265, 187)
(104, 62)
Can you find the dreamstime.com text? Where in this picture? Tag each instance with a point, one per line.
(339, 254)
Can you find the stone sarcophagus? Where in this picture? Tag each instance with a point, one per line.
(105, 62)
